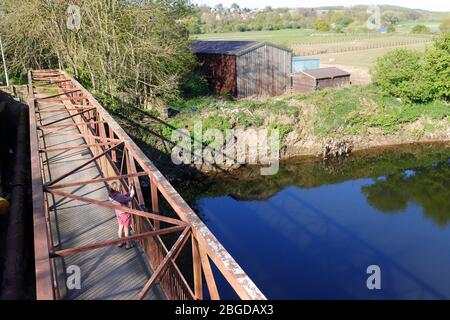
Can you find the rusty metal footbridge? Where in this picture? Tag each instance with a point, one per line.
(77, 148)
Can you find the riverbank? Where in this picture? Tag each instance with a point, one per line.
(321, 123)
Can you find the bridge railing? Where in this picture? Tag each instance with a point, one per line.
(121, 159)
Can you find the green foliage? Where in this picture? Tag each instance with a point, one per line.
(390, 17)
(355, 109)
(321, 25)
(390, 28)
(427, 186)
(194, 85)
(341, 20)
(132, 47)
(437, 64)
(334, 106)
(17, 79)
(222, 19)
(391, 117)
(400, 73)
(420, 29)
(283, 129)
(414, 76)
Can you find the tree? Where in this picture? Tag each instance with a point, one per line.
(401, 74)
(437, 64)
(235, 7)
(321, 25)
(135, 50)
(390, 17)
(219, 7)
(416, 76)
(393, 194)
(193, 25)
(420, 28)
(341, 20)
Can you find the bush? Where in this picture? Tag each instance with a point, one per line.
(401, 74)
(321, 25)
(416, 76)
(437, 64)
(390, 29)
(420, 28)
(195, 85)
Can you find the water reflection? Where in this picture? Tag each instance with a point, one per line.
(428, 187)
(311, 231)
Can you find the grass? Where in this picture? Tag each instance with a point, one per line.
(350, 110)
(222, 114)
(347, 112)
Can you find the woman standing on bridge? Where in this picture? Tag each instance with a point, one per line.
(123, 217)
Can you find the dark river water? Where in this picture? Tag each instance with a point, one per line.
(312, 230)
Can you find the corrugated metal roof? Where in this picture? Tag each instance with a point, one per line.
(222, 47)
(326, 73)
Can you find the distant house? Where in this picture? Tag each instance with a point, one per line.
(313, 79)
(244, 68)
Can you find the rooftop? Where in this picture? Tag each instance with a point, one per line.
(222, 47)
(327, 73)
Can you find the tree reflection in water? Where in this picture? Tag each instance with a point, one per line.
(429, 187)
(402, 174)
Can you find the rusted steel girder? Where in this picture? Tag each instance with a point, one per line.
(90, 119)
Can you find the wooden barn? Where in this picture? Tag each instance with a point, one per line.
(244, 68)
(313, 79)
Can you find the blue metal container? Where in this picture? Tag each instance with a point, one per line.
(302, 64)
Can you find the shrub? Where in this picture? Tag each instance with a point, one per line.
(401, 74)
(321, 25)
(194, 85)
(420, 28)
(390, 29)
(437, 64)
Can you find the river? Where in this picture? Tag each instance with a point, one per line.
(312, 230)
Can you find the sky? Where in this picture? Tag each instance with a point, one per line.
(432, 5)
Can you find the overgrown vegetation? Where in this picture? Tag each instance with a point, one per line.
(415, 76)
(132, 50)
(349, 111)
(420, 28)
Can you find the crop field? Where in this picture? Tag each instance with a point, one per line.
(362, 58)
(386, 41)
(293, 37)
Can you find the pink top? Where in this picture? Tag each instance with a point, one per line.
(121, 199)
